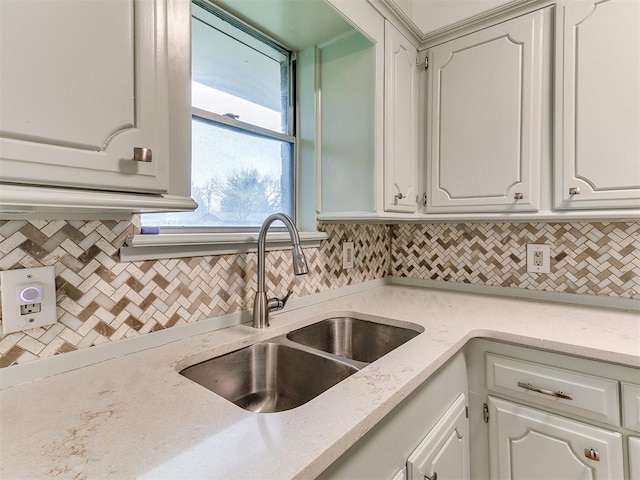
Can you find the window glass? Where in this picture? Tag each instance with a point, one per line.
(242, 165)
(238, 76)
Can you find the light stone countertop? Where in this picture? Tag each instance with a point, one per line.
(136, 417)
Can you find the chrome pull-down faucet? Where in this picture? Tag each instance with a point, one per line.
(262, 306)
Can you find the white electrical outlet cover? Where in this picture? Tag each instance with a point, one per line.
(532, 248)
(26, 286)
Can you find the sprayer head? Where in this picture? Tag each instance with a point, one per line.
(299, 261)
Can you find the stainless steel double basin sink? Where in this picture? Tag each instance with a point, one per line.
(288, 371)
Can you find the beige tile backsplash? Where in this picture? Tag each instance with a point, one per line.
(586, 258)
(102, 300)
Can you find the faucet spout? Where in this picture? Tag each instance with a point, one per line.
(262, 306)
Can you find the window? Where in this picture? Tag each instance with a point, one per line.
(243, 143)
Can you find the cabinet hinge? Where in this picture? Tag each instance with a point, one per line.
(466, 411)
(426, 62)
(424, 199)
(485, 413)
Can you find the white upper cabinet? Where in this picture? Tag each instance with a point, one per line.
(401, 120)
(598, 104)
(83, 85)
(484, 119)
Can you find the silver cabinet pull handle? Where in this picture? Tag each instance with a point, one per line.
(518, 196)
(592, 454)
(399, 196)
(574, 191)
(544, 391)
(141, 154)
(432, 477)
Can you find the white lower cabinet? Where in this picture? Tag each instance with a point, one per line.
(590, 396)
(560, 416)
(533, 444)
(560, 419)
(444, 453)
(429, 428)
(631, 406)
(401, 475)
(634, 457)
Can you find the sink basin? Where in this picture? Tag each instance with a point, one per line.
(359, 340)
(268, 377)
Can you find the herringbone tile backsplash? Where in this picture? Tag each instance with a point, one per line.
(586, 258)
(102, 300)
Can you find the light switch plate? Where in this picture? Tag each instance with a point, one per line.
(28, 290)
(347, 255)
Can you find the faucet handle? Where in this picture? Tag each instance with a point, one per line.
(286, 298)
(275, 304)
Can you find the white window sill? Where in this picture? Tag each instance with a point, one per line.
(177, 245)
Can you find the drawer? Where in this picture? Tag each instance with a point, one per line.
(555, 388)
(631, 406)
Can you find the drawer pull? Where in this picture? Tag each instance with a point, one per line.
(544, 391)
(591, 454)
(141, 154)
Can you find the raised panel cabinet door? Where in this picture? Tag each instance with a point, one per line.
(484, 120)
(444, 452)
(529, 444)
(598, 104)
(401, 475)
(82, 85)
(401, 122)
(634, 457)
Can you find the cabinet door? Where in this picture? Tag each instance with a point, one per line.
(484, 127)
(598, 104)
(401, 120)
(82, 84)
(444, 453)
(631, 406)
(634, 457)
(401, 475)
(529, 444)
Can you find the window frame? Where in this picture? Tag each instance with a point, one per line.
(189, 241)
(261, 37)
(257, 38)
